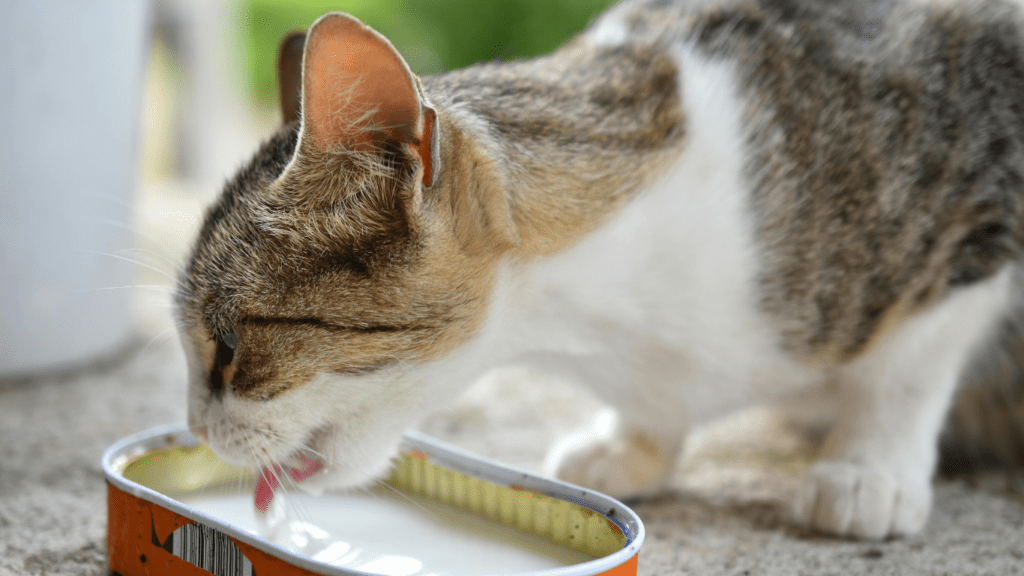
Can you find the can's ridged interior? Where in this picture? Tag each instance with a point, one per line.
(564, 523)
(183, 470)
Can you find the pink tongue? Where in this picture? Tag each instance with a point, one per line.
(270, 479)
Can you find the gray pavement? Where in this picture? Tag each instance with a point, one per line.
(725, 517)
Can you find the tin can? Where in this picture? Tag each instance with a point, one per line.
(152, 531)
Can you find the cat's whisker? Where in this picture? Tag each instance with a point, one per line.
(400, 361)
(407, 498)
(157, 287)
(307, 448)
(139, 232)
(303, 446)
(298, 506)
(373, 479)
(176, 324)
(240, 480)
(252, 450)
(131, 261)
(326, 459)
(162, 333)
(284, 481)
(176, 265)
(267, 466)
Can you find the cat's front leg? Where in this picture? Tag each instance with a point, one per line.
(617, 456)
(874, 477)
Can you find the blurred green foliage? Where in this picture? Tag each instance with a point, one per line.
(433, 35)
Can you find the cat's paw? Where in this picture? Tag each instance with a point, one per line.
(847, 499)
(622, 468)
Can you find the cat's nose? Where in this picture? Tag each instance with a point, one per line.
(228, 373)
(216, 381)
(224, 362)
(220, 377)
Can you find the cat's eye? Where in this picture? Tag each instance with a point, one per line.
(230, 339)
(225, 353)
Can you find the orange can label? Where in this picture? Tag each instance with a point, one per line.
(147, 539)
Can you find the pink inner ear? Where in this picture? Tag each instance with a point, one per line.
(423, 148)
(350, 70)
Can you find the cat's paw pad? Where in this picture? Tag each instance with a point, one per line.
(851, 500)
(621, 468)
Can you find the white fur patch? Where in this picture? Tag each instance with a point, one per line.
(875, 475)
(609, 31)
(658, 311)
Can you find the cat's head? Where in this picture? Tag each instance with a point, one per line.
(341, 281)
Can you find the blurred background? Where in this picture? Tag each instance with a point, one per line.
(120, 120)
(206, 52)
(123, 118)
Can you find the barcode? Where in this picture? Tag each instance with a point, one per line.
(206, 548)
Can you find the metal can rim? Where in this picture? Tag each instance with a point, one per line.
(448, 456)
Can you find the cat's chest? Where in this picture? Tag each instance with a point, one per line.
(673, 279)
(687, 243)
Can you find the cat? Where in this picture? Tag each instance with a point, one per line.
(691, 207)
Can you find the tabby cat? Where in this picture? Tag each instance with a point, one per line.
(691, 207)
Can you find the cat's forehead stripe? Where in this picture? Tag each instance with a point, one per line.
(327, 325)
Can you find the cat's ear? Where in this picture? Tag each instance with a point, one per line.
(358, 93)
(289, 75)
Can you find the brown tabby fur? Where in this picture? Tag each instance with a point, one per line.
(350, 260)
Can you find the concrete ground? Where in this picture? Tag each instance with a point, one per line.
(725, 516)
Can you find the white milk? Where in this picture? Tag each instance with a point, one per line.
(387, 533)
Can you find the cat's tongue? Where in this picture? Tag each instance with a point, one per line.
(270, 479)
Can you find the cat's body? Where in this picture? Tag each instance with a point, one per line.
(689, 209)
